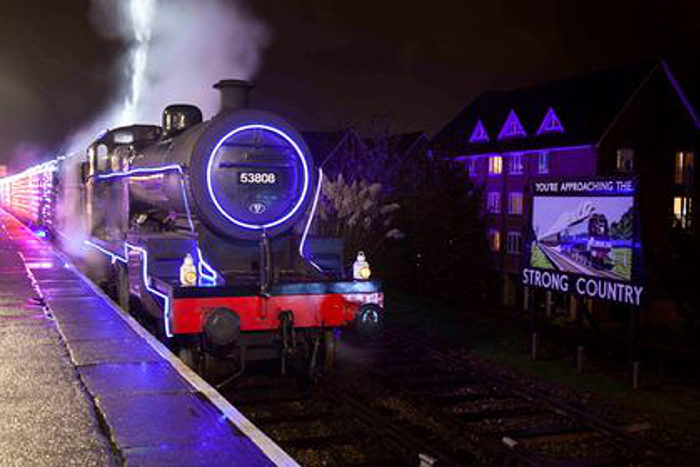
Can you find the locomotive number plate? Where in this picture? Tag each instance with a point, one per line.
(257, 178)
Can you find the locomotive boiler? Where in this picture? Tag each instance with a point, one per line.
(203, 227)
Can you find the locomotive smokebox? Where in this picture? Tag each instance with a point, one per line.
(235, 94)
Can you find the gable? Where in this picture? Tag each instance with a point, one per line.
(550, 123)
(512, 128)
(479, 134)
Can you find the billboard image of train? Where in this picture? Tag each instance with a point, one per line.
(585, 235)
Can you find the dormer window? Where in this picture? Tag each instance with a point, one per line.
(479, 134)
(512, 128)
(550, 123)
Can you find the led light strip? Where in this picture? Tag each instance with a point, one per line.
(205, 270)
(146, 278)
(210, 167)
(302, 242)
(153, 171)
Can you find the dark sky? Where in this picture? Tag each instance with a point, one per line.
(332, 63)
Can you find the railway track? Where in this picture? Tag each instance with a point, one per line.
(404, 399)
(325, 424)
(501, 420)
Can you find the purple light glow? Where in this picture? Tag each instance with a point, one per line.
(479, 134)
(512, 128)
(550, 123)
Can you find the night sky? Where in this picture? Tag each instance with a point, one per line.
(378, 66)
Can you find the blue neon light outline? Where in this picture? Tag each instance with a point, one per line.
(156, 170)
(113, 256)
(479, 134)
(210, 187)
(506, 133)
(205, 270)
(550, 116)
(302, 242)
(145, 276)
(140, 171)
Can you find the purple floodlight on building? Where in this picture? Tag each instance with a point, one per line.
(479, 134)
(550, 123)
(512, 128)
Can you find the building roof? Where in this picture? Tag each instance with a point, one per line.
(585, 105)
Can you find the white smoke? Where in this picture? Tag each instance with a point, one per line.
(176, 50)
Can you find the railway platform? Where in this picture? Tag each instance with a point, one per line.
(82, 383)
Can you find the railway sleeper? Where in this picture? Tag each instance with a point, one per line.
(487, 414)
(544, 431)
(456, 399)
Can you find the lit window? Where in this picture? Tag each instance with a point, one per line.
(625, 160)
(493, 202)
(682, 211)
(514, 244)
(684, 168)
(543, 162)
(494, 240)
(515, 203)
(515, 165)
(495, 165)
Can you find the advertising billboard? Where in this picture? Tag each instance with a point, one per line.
(583, 239)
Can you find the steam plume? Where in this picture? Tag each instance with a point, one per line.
(176, 50)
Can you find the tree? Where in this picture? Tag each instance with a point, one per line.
(417, 217)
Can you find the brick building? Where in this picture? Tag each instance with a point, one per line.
(633, 119)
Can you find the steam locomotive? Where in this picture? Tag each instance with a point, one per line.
(595, 249)
(203, 228)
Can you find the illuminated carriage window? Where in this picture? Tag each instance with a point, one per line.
(257, 176)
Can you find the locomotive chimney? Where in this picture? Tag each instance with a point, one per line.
(235, 94)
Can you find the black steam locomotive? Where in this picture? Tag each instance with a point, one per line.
(203, 226)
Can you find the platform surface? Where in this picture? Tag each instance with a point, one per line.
(83, 384)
